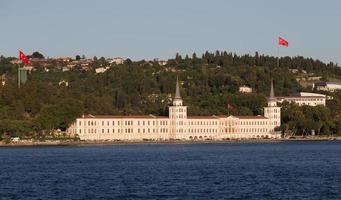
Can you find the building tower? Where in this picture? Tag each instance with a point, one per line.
(272, 111)
(177, 116)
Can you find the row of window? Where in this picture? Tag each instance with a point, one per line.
(126, 123)
(229, 130)
(269, 110)
(253, 130)
(203, 123)
(165, 123)
(199, 130)
(253, 123)
(180, 116)
(305, 99)
(230, 123)
(126, 130)
(165, 130)
(178, 110)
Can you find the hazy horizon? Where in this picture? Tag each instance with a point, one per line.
(159, 29)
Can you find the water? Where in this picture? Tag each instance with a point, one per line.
(286, 170)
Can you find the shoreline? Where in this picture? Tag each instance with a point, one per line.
(107, 143)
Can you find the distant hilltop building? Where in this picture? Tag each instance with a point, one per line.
(303, 94)
(178, 126)
(117, 60)
(327, 86)
(101, 70)
(28, 68)
(305, 98)
(245, 89)
(3, 79)
(63, 83)
(161, 62)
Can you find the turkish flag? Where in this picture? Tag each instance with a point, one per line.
(283, 42)
(23, 57)
(229, 107)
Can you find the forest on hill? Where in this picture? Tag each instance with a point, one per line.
(208, 83)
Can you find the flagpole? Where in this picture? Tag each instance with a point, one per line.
(19, 76)
(277, 55)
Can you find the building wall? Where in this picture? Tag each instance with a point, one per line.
(245, 89)
(178, 126)
(204, 128)
(310, 101)
(329, 87)
(210, 128)
(92, 128)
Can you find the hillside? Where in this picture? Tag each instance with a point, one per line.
(209, 83)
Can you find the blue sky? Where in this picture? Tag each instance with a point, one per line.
(158, 28)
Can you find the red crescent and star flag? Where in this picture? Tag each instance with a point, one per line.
(23, 58)
(229, 107)
(283, 42)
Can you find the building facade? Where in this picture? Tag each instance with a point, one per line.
(304, 100)
(245, 89)
(327, 86)
(179, 126)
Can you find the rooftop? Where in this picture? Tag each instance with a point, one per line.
(251, 117)
(300, 97)
(202, 117)
(123, 116)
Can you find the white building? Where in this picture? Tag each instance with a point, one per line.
(117, 60)
(101, 70)
(179, 126)
(309, 99)
(28, 68)
(245, 89)
(3, 79)
(63, 82)
(327, 86)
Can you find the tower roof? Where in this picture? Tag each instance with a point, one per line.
(272, 91)
(177, 90)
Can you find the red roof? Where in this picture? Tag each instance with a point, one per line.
(301, 97)
(124, 116)
(202, 117)
(165, 117)
(251, 117)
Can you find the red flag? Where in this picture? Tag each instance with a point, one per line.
(283, 42)
(229, 107)
(23, 57)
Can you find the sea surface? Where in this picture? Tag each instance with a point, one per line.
(278, 170)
